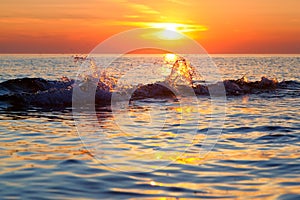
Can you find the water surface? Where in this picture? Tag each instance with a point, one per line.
(257, 155)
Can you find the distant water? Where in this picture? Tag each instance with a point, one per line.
(257, 155)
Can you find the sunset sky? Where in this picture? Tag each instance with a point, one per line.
(220, 26)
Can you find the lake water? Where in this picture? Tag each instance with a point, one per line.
(152, 151)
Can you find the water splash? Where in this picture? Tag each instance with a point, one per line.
(93, 76)
(39, 92)
(182, 73)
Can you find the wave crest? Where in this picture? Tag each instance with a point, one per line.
(38, 92)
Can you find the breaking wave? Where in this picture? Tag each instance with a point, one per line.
(57, 94)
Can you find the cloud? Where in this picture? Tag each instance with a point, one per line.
(180, 27)
(132, 16)
(143, 9)
(180, 2)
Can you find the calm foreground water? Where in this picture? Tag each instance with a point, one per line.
(257, 155)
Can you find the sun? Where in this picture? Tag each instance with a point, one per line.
(168, 31)
(172, 30)
(166, 26)
(169, 35)
(171, 26)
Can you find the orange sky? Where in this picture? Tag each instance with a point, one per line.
(220, 26)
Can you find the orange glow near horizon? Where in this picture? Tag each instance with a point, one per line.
(75, 26)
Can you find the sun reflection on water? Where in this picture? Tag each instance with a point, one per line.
(170, 58)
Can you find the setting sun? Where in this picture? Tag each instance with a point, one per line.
(167, 26)
(169, 31)
(169, 35)
(231, 27)
(174, 31)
